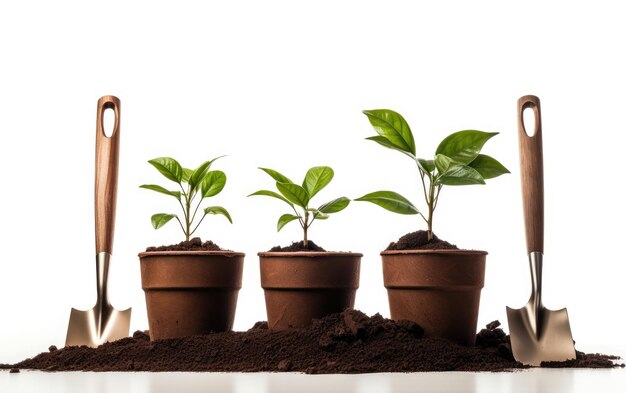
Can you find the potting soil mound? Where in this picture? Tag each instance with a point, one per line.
(419, 241)
(298, 246)
(348, 342)
(194, 244)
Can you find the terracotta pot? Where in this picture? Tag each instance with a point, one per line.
(190, 292)
(438, 289)
(301, 286)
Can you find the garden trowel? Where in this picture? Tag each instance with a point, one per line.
(102, 323)
(537, 334)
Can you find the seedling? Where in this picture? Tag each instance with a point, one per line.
(457, 162)
(195, 186)
(295, 195)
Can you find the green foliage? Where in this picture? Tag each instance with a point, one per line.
(195, 186)
(464, 146)
(393, 131)
(391, 201)
(298, 197)
(457, 162)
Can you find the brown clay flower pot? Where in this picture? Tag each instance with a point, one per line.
(438, 289)
(190, 292)
(301, 286)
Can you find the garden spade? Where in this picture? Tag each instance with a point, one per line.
(102, 323)
(537, 334)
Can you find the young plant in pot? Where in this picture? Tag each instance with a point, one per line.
(428, 280)
(303, 281)
(191, 287)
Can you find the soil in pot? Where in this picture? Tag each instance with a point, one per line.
(419, 241)
(348, 342)
(194, 244)
(298, 246)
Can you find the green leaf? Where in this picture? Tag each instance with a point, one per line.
(334, 206)
(213, 183)
(381, 140)
(488, 167)
(391, 201)
(426, 165)
(279, 177)
(442, 163)
(187, 174)
(464, 146)
(169, 168)
(200, 172)
(454, 173)
(272, 194)
(154, 187)
(316, 179)
(284, 220)
(294, 193)
(392, 126)
(160, 219)
(460, 175)
(218, 210)
(321, 216)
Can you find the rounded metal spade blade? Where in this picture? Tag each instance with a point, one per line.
(540, 338)
(538, 334)
(101, 323)
(97, 326)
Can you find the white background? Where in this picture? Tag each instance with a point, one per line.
(281, 84)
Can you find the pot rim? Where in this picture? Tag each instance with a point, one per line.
(226, 253)
(434, 252)
(313, 254)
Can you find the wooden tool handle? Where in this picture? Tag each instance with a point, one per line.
(107, 155)
(531, 163)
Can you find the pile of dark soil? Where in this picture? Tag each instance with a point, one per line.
(419, 241)
(348, 342)
(298, 246)
(194, 244)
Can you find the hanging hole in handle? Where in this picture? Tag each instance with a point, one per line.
(108, 121)
(529, 120)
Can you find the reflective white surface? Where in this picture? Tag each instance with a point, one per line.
(540, 380)
(252, 79)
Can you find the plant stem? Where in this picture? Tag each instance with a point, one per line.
(306, 227)
(193, 217)
(431, 201)
(437, 197)
(422, 176)
(200, 222)
(299, 217)
(424, 184)
(183, 208)
(187, 218)
(181, 224)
